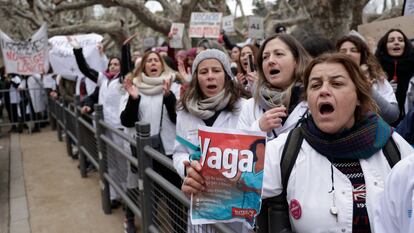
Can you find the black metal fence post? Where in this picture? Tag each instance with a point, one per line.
(59, 107)
(144, 161)
(81, 155)
(65, 129)
(103, 162)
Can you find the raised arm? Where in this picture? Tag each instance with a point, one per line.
(81, 61)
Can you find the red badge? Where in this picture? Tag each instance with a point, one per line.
(295, 209)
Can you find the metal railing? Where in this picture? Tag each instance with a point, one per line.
(26, 108)
(158, 203)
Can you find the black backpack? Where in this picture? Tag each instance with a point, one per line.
(274, 213)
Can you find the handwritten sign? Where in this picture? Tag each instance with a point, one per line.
(176, 35)
(376, 30)
(26, 57)
(228, 23)
(205, 25)
(63, 60)
(256, 27)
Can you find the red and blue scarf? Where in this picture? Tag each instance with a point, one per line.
(360, 142)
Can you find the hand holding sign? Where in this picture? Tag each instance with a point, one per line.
(73, 42)
(193, 183)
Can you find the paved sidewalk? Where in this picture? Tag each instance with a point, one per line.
(58, 199)
(4, 182)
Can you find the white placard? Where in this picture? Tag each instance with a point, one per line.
(26, 57)
(228, 23)
(408, 7)
(150, 42)
(205, 25)
(176, 35)
(63, 60)
(256, 27)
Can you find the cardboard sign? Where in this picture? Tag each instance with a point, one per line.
(256, 27)
(205, 25)
(63, 60)
(378, 29)
(26, 57)
(228, 23)
(176, 35)
(232, 166)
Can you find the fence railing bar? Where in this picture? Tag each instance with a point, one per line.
(121, 134)
(130, 158)
(90, 157)
(87, 125)
(123, 195)
(163, 159)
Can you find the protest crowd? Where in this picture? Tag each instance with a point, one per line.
(329, 121)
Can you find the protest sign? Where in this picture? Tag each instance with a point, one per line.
(26, 57)
(205, 25)
(232, 166)
(150, 42)
(228, 23)
(63, 60)
(176, 35)
(376, 30)
(408, 8)
(256, 27)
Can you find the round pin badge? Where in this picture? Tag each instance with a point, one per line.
(295, 209)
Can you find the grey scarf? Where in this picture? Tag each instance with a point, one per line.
(206, 108)
(269, 97)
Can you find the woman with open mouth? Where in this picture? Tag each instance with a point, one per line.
(382, 91)
(341, 165)
(276, 107)
(213, 99)
(396, 56)
(247, 75)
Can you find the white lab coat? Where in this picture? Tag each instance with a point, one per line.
(251, 114)
(13, 92)
(37, 93)
(394, 211)
(110, 94)
(310, 183)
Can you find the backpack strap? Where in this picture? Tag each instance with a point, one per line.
(289, 155)
(391, 152)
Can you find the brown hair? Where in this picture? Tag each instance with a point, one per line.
(374, 68)
(194, 92)
(362, 87)
(300, 55)
(255, 52)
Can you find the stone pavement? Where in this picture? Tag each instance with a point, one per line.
(47, 194)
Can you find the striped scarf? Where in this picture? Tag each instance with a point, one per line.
(360, 142)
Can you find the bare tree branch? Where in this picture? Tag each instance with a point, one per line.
(187, 7)
(75, 6)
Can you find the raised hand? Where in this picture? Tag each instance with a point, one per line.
(73, 42)
(272, 119)
(130, 38)
(131, 88)
(185, 73)
(166, 87)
